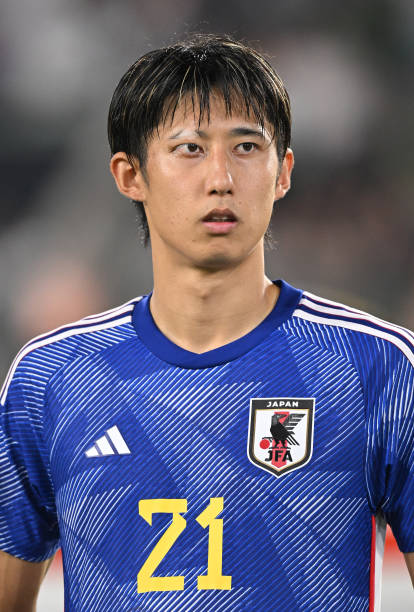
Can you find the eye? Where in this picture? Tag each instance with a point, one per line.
(188, 148)
(246, 147)
(192, 147)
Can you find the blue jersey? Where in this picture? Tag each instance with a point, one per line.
(259, 475)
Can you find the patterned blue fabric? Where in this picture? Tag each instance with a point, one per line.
(299, 540)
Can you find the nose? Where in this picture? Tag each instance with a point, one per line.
(219, 179)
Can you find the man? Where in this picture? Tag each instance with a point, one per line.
(227, 442)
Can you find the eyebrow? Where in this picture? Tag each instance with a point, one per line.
(238, 131)
(244, 131)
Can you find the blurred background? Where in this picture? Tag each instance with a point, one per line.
(68, 242)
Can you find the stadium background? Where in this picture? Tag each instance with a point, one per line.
(68, 242)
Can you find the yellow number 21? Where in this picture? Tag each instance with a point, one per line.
(214, 578)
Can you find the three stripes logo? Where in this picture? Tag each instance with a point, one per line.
(111, 443)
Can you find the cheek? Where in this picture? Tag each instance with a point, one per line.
(261, 179)
(168, 211)
(262, 197)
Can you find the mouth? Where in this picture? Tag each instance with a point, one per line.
(220, 221)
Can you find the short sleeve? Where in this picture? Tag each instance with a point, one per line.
(391, 446)
(28, 521)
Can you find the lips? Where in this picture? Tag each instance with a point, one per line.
(220, 221)
(219, 215)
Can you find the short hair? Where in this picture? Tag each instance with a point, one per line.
(192, 70)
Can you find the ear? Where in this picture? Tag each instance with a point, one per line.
(283, 181)
(128, 177)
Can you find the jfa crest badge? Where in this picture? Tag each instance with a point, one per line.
(281, 433)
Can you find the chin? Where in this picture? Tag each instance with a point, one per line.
(219, 261)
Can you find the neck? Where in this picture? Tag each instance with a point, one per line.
(201, 310)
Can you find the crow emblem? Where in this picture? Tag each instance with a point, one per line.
(282, 432)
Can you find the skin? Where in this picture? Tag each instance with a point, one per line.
(20, 583)
(209, 288)
(409, 559)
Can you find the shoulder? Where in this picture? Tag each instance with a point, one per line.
(364, 331)
(42, 356)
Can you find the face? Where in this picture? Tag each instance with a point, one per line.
(209, 189)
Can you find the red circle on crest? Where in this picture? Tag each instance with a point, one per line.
(264, 443)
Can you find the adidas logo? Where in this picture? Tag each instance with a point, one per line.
(111, 443)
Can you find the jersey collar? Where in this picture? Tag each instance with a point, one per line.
(169, 352)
